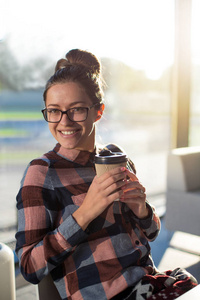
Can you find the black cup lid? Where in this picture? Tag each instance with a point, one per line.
(109, 157)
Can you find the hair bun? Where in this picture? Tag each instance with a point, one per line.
(82, 67)
(61, 64)
(83, 58)
(77, 57)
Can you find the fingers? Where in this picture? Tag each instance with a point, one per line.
(111, 178)
(115, 196)
(120, 178)
(116, 173)
(131, 175)
(115, 186)
(133, 189)
(133, 194)
(110, 183)
(134, 185)
(120, 183)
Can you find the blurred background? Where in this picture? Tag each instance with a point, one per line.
(149, 49)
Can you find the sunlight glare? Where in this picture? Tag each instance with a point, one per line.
(138, 33)
(195, 32)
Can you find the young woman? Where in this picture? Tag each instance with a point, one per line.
(70, 224)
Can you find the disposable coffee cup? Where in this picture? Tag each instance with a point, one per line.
(107, 160)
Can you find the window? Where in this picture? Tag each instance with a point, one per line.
(135, 41)
(194, 138)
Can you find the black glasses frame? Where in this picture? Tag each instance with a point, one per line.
(44, 112)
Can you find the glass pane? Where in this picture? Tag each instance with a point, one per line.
(134, 40)
(194, 138)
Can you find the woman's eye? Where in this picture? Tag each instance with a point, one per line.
(53, 111)
(78, 110)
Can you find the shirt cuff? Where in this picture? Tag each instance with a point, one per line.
(72, 232)
(146, 222)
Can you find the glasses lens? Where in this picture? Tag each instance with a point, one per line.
(53, 115)
(78, 114)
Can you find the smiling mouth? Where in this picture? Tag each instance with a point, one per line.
(69, 132)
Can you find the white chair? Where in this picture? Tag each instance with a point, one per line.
(183, 190)
(47, 289)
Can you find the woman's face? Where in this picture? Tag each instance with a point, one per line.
(71, 134)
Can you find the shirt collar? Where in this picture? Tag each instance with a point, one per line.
(81, 157)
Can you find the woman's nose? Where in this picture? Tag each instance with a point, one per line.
(65, 120)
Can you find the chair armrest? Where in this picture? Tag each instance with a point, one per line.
(184, 169)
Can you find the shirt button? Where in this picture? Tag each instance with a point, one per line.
(87, 231)
(137, 242)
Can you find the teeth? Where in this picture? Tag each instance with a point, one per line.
(68, 132)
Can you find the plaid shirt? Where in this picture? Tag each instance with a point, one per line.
(100, 262)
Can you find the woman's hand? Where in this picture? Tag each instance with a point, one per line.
(134, 195)
(103, 191)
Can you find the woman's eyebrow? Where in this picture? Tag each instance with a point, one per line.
(56, 105)
(70, 105)
(77, 102)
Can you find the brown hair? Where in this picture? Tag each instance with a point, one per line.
(82, 67)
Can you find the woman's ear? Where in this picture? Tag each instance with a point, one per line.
(100, 112)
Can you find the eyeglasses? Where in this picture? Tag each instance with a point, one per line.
(75, 114)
